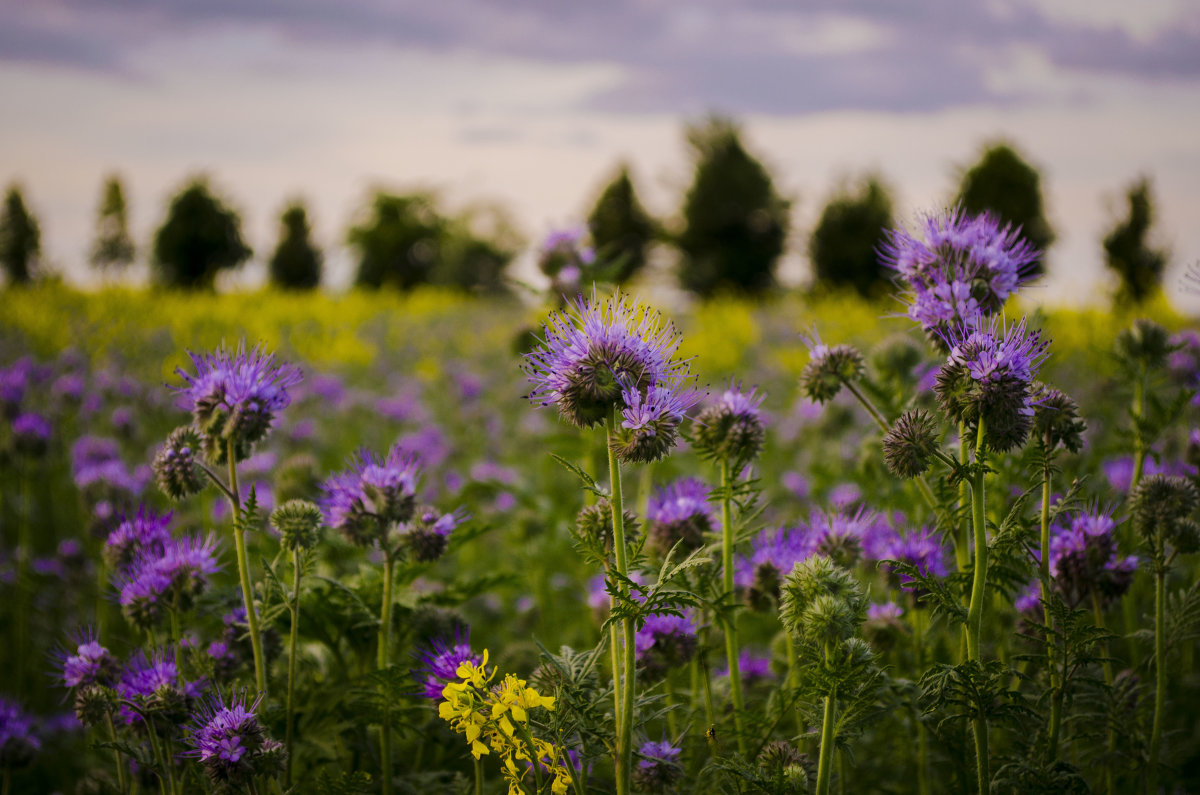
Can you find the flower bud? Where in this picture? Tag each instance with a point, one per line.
(298, 523)
(732, 430)
(1145, 343)
(828, 369)
(175, 467)
(1164, 504)
(1056, 418)
(594, 527)
(910, 443)
(427, 535)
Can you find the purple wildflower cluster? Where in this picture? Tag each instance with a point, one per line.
(658, 768)
(565, 258)
(234, 397)
(85, 662)
(19, 740)
(924, 550)
(732, 430)
(613, 357)
(230, 742)
(1084, 560)
(680, 513)
(665, 641)
(152, 687)
(960, 267)
(439, 664)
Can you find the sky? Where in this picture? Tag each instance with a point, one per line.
(531, 104)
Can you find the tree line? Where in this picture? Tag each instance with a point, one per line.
(733, 227)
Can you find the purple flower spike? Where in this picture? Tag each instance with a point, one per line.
(18, 738)
(680, 513)
(235, 395)
(145, 532)
(374, 493)
(84, 662)
(596, 354)
(659, 768)
(957, 265)
(923, 549)
(231, 744)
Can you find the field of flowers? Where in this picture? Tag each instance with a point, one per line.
(411, 543)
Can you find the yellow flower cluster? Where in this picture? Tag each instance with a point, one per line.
(496, 718)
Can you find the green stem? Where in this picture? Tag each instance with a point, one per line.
(624, 771)
(918, 618)
(479, 776)
(790, 650)
(1098, 611)
(112, 735)
(162, 782)
(239, 538)
(382, 661)
(23, 613)
(1160, 665)
(669, 693)
(1044, 573)
(292, 642)
(978, 597)
(825, 763)
(6, 781)
(731, 632)
(1139, 443)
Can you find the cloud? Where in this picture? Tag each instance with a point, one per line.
(764, 56)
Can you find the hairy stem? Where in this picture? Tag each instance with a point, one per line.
(790, 650)
(382, 662)
(918, 618)
(239, 539)
(978, 597)
(112, 735)
(828, 740)
(1160, 663)
(291, 683)
(624, 772)
(1139, 441)
(731, 632)
(1044, 574)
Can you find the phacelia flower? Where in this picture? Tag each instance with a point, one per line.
(231, 744)
(31, 433)
(155, 690)
(440, 662)
(596, 355)
(176, 469)
(1083, 559)
(680, 514)
(1183, 363)
(847, 536)
(988, 377)
(658, 767)
(665, 642)
(774, 552)
(84, 662)
(234, 397)
(147, 531)
(1162, 507)
(374, 494)
(298, 523)
(594, 528)
(1056, 419)
(427, 534)
(732, 430)
(958, 266)
(828, 369)
(18, 737)
(564, 257)
(167, 579)
(753, 666)
(650, 422)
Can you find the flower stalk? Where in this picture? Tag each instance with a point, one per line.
(239, 538)
(731, 631)
(628, 665)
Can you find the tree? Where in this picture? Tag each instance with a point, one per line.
(406, 241)
(1139, 267)
(296, 263)
(735, 224)
(1003, 184)
(621, 229)
(112, 249)
(20, 239)
(200, 237)
(843, 244)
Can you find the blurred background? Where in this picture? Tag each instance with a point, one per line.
(725, 145)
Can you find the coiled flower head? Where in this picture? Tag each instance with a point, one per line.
(234, 396)
(176, 469)
(665, 642)
(299, 524)
(440, 662)
(791, 770)
(961, 266)
(231, 744)
(650, 422)
(732, 430)
(909, 444)
(1164, 504)
(168, 578)
(1056, 419)
(988, 376)
(596, 355)
(680, 514)
(152, 689)
(828, 369)
(594, 529)
(427, 534)
(146, 531)
(1083, 559)
(821, 602)
(658, 767)
(373, 495)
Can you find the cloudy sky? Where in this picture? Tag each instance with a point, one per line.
(532, 103)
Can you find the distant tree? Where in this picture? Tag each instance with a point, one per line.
(735, 224)
(1139, 266)
(20, 239)
(843, 244)
(1003, 184)
(200, 237)
(296, 263)
(621, 229)
(405, 241)
(112, 249)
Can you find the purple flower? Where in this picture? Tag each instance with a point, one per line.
(753, 667)
(887, 612)
(658, 767)
(166, 579)
(960, 266)
(1084, 560)
(773, 554)
(145, 532)
(18, 738)
(372, 494)
(680, 513)
(923, 549)
(31, 433)
(85, 662)
(1029, 600)
(650, 421)
(439, 663)
(596, 354)
(732, 430)
(230, 743)
(845, 536)
(153, 685)
(665, 641)
(235, 395)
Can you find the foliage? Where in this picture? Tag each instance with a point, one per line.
(200, 237)
(1127, 251)
(621, 228)
(843, 247)
(296, 263)
(20, 239)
